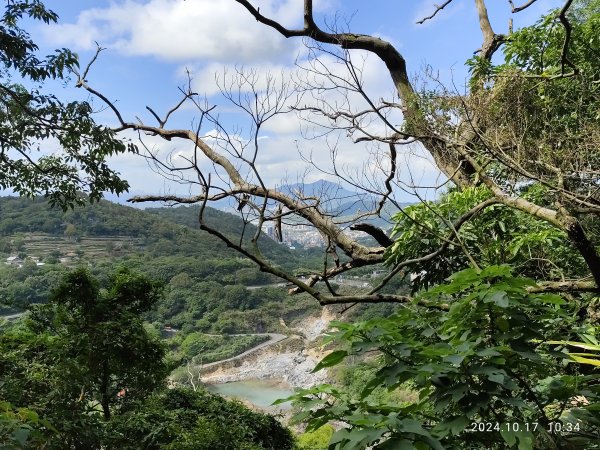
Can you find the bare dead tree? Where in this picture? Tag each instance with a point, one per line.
(462, 134)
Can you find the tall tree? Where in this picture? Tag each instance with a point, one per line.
(84, 352)
(112, 353)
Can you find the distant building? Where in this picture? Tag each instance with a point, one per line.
(14, 261)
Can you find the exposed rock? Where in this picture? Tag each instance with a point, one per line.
(289, 361)
(291, 366)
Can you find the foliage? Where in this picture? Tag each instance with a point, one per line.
(22, 428)
(488, 359)
(201, 348)
(29, 117)
(579, 357)
(71, 358)
(354, 376)
(37, 374)
(496, 235)
(105, 331)
(317, 439)
(539, 110)
(21, 287)
(179, 419)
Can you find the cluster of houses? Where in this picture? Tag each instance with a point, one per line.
(17, 261)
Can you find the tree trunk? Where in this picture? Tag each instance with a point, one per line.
(105, 400)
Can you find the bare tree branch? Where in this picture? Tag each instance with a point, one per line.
(564, 57)
(516, 9)
(452, 127)
(438, 8)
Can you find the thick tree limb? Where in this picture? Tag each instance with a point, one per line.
(393, 60)
(564, 57)
(491, 40)
(376, 233)
(565, 286)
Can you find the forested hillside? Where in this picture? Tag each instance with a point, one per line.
(204, 280)
(159, 231)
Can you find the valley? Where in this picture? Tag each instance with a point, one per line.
(226, 326)
(214, 302)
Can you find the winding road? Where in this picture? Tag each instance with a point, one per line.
(12, 316)
(273, 339)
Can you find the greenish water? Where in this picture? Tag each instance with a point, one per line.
(258, 392)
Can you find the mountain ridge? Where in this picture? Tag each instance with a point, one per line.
(156, 227)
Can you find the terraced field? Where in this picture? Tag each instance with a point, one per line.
(42, 245)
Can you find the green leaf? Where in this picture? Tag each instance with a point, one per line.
(553, 299)
(21, 435)
(486, 352)
(454, 426)
(496, 378)
(582, 345)
(396, 444)
(589, 361)
(525, 440)
(502, 324)
(509, 436)
(500, 298)
(413, 426)
(455, 360)
(330, 360)
(496, 271)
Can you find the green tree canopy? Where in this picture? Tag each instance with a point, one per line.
(179, 419)
(83, 356)
(48, 146)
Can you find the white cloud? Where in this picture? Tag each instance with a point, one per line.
(209, 35)
(177, 30)
(287, 124)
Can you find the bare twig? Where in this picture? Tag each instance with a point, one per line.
(438, 8)
(516, 9)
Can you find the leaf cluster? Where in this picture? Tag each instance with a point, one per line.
(48, 146)
(489, 359)
(178, 419)
(496, 235)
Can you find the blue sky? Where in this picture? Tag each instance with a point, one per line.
(150, 43)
